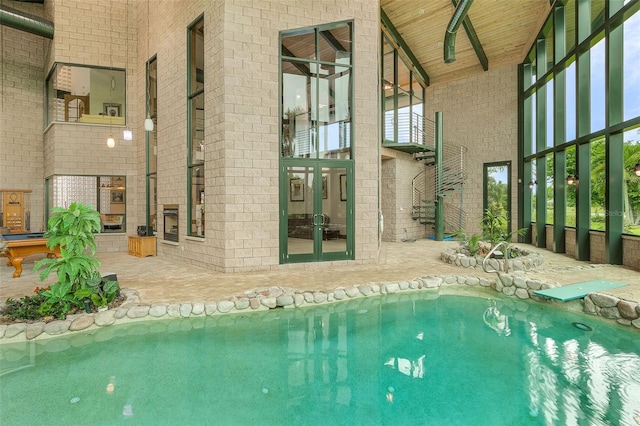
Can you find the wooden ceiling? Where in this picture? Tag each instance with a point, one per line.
(504, 28)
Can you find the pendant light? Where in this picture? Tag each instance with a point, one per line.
(148, 122)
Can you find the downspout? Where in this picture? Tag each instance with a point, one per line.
(25, 22)
(452, 29)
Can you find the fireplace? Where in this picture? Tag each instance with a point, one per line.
(170, 213)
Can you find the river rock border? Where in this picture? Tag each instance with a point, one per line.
(625, 312)
(529, 260)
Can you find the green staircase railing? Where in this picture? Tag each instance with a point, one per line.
(442, 181)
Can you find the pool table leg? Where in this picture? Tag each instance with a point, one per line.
(17, 263)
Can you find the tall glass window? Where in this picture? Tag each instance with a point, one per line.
(599, 72)
(84, 94)
(572, 181)
(631, 55)
(195, 137)
(548, 182)
(316, 92)
(152, 145)
(631, 190)
(597, 86)
(402, 91)
(598, 169)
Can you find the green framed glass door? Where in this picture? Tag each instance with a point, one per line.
(316, 220)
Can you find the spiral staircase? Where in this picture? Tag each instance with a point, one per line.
(441, 183)
(437, 191)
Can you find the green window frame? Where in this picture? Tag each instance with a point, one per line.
(317, 86)
(152, 144)
(195, 132)
(86, 94)
(584, 51)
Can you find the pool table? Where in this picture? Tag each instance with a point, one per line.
(19, 246)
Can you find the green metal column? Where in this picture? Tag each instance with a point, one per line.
(583, 201)
(524, 149)
(541, 145)
(439, 174)
(559, 135)
(583, 150)
(559, 200)
(615, 173)
(541, 201)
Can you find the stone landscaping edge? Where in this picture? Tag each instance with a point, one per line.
(529, 260)
(624, 312)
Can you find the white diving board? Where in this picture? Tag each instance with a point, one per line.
(577, 291)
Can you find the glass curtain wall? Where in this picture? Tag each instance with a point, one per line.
(316, 93)
(581, 120)
(403, 97)
(316, 177)
(195, 139)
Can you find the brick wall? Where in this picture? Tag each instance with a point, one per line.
(631, 252)
(396, 198)
(21, 113)
(480, 113)
(241, 124)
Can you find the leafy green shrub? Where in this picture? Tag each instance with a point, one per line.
(78, 279)
(494, 232)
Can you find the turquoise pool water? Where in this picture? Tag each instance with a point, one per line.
(411, 359)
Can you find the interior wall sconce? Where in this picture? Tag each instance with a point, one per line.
(636, 169)
(111, 142)
(127, 135)
(532, 183)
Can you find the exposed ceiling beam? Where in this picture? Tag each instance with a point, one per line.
(333, 42)
(473, 38)
(401, 43)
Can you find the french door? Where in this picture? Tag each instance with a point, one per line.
(316, 220)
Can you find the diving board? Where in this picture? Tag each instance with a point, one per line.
(577, 291)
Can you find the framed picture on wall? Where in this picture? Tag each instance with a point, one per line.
(296, 190)
(117, 197)
(112, 110)
(343, 187)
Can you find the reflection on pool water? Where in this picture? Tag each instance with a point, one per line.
(397, 359)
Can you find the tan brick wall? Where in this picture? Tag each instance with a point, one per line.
(241, 95)
(631, 252)
(21, 113)
(480, 113)
(396, 198)
(241, 124)
(570, 242)
(597, 252)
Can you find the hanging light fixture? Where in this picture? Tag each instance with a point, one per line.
(111, 142)
(532, 183)
(570, 180)
(148, 122)
(636, 169)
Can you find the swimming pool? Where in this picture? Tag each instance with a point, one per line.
(418, 358)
